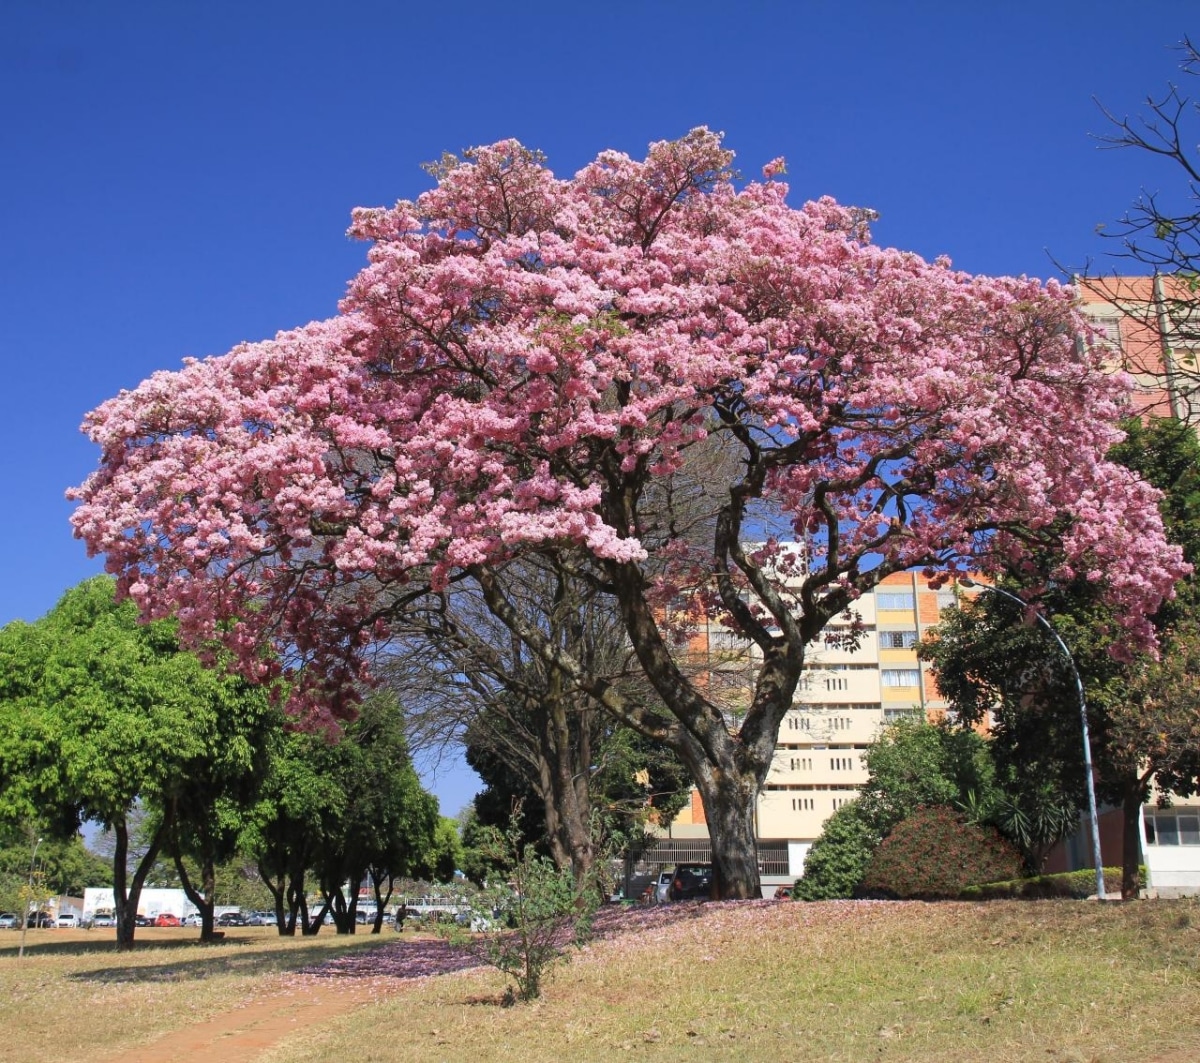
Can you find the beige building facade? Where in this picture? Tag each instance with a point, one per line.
(847, 695)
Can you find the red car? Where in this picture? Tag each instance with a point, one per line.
(166, 919)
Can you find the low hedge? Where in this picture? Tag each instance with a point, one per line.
(1071, 884)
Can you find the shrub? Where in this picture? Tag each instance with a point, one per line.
(935, 853)
(838, 859)
(526, 925)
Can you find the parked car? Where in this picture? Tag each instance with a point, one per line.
(690, 882)
(143, 920)
(104, 919)
(258, 919)
(662, 887)
(166, 919)
(67, 921)
(783, 893)
(39, 920)
(231, 919)
(194, 919)
(9, 920)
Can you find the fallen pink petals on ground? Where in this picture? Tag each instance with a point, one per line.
(414, 958)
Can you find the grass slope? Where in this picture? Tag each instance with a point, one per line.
(1056, 981)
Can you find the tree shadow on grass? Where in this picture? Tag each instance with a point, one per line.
(94, 947)
(394, 959)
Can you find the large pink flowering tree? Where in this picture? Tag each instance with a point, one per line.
(654, 374)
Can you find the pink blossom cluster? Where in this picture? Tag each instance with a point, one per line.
(525, 356)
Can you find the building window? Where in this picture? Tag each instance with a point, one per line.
(946, 599)
(1172, 828)
(1108, 331)
(900, 677)
(837, 684)
(894, 600)
(895, 715)
(897, 640)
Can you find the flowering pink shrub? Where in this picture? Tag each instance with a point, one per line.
(936, 853)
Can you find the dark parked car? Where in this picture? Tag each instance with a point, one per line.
(40, 920)
(231, 919)
(691, 881)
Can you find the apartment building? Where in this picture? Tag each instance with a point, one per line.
(1151, 326)
(847, 695)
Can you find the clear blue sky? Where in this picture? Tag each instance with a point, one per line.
(178, 177)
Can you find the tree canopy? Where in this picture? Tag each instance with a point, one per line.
(339, 814)
(532, 364)
(100, 713)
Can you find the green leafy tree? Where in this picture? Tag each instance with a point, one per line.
(345, 810)
(1141, 713)
(385, 826)
(838, 859)
(67, 865)
(288, 824)
(100, 714)
(993, 666)
(445, 857)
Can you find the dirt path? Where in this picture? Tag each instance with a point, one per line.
(243, 1034)
(300, 1002)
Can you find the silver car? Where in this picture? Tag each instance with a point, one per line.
(661, 887)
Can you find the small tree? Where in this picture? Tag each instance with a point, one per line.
(528, 922)
(103, 717)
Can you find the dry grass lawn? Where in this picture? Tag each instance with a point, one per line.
(74, 997)
(1060, 981)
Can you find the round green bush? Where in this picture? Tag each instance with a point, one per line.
(936, 853)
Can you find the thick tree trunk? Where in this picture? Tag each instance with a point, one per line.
(729, 809)
(565, 769)
(1131, 837)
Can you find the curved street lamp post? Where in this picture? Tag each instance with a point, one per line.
(1087, 743)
